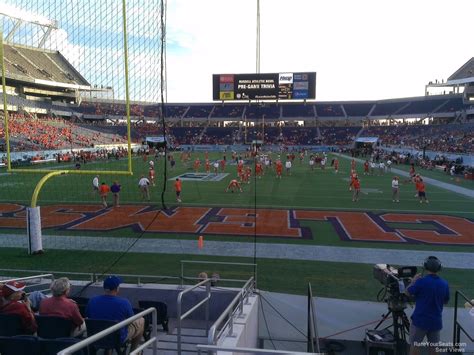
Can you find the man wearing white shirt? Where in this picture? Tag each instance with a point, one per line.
(95, 184)
(395, 190)
(144, 185)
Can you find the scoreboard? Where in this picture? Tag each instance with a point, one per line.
(267, 86)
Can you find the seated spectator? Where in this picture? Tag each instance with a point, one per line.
(111, 307)
(14, 301)
(61, 306)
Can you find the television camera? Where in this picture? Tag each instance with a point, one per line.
(395, 282)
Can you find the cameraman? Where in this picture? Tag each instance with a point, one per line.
(430, 293)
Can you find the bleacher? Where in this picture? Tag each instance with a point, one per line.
(228, 111)
(329, 110)
(269, 111)
(34, 63)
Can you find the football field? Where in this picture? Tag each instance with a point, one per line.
(300, 213)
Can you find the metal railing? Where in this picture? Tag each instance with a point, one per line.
(93, 277)
(34, 277)
(457, 328)
(313, 337)
(181, 317)
(42, 276)
(88, 341)
(226, 319)
(210, 349)
(204, 262)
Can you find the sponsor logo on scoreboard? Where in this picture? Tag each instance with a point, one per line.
(226, 95)
(226, 86)
(226, 78)
(285, 78)
(300, 85)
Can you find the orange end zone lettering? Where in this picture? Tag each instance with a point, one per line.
(181, 220)
(450, 229)
(352, 225)
(238, 221)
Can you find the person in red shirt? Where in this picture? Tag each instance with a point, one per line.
(151, 175)
(258, 170)
(336, 165)
(61, 306)
(420, 188)
(177, 187)
(208, 166)
(352, 177)
(279, 168)
(104, 190)
(197, 164)
(355, 184)
(223, 165)
(15, 302)
(353, 164)
(366, 167)
(233, 185)
(240, 169)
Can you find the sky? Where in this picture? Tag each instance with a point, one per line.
(360, 49)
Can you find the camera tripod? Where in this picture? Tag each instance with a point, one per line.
(400, 324)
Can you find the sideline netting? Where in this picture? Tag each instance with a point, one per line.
(100, 62)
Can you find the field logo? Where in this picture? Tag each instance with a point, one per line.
(200, 177)
(242, 222)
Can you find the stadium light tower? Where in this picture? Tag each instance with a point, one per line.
(46, 25)
(257, 64)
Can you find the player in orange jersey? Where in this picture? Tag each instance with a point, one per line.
(259, 170)
(240, 169)
(248, 174)
(233, 185)
(177, 188)
(222, 163)
(420, 188)
(353, 177)
(196, 165)
(366, 167)
(208, 166)
(151, 175)
(336, 166)
(353, 164)
(279, 168)
(356, 187)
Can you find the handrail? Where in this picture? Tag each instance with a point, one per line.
(215, 348)
(42, 276)
(229, 311)
(93, 276)
(181, 317)
(88, 341)
(457, 326)
(313, 337)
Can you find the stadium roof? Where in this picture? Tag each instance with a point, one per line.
(41, 67)
(465, 74)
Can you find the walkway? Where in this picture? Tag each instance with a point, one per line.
(461, 260)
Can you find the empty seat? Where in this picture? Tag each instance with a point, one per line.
(53, 327)
(111, 341)
(10, 324)
(20, 345)
(53, 346)
(161, 312)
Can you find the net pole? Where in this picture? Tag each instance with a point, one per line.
(127, 93)
(5, 105)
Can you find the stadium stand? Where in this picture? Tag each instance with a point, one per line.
(228, 111)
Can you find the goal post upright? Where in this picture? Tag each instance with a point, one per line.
(5, 104)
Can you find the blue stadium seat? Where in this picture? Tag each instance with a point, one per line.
(20, 345)
(53, 327)
(53, 346)
(10, 325)
(111, 341)
(161, 311)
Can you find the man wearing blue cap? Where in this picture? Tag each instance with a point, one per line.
(109, 306)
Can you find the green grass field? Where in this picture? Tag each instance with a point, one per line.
(304, 189)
